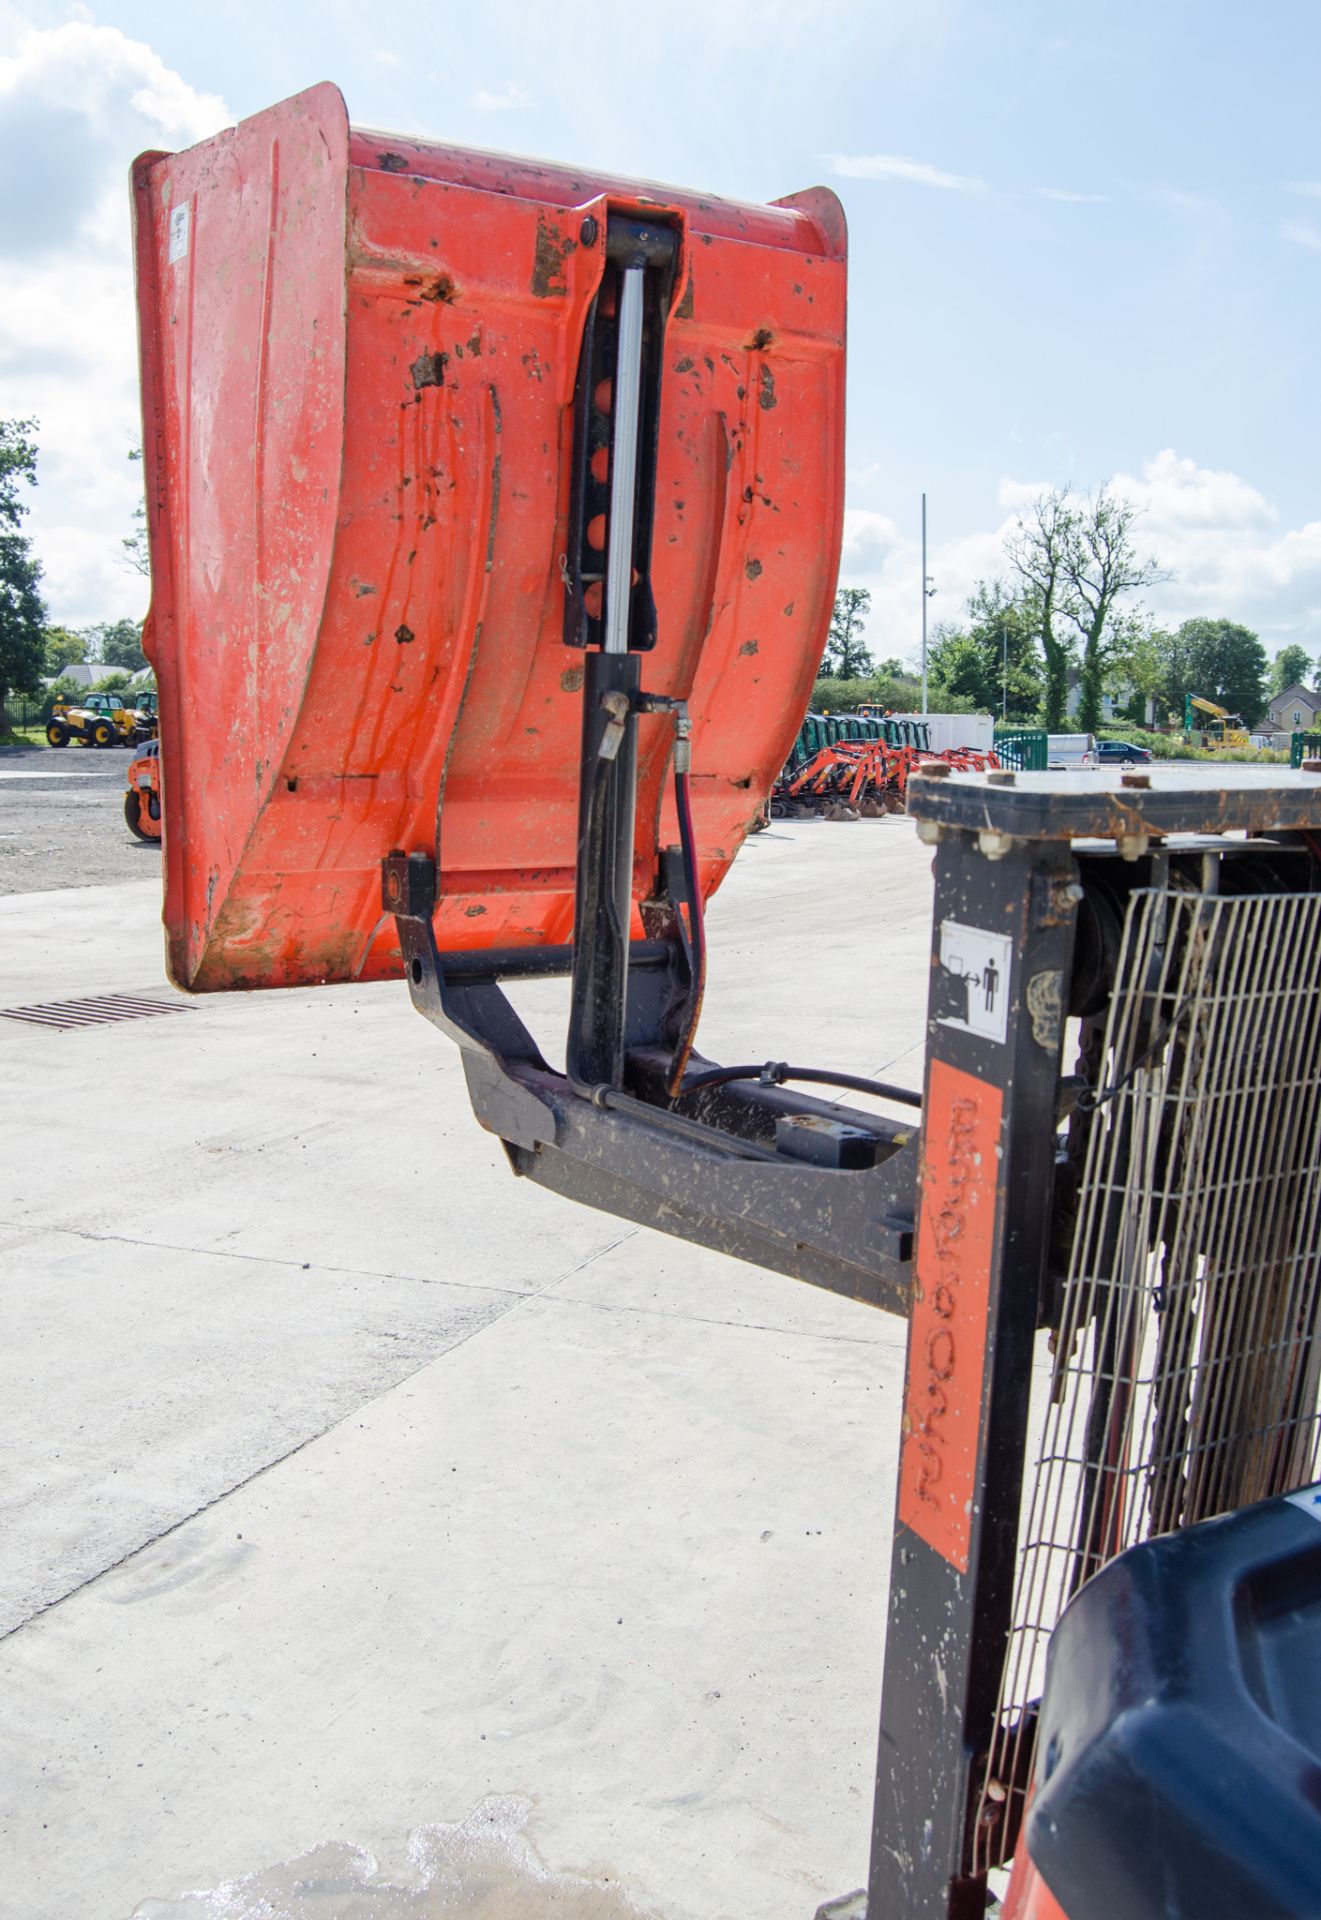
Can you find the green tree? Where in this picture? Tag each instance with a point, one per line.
(958, 665)
(1006, 625)
(846, 657)
(119, 644)
(1225, 663)
(1178, 677)
(1138, 666)
(1038, 550)
(1290, 668)
(22, 609)
(62, 647)
(993, 660)
(1101, 566)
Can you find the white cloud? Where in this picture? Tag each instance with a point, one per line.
(1014, 495)
(1177, 199)
(1179, 495)
(1302, 234)
(1219, 535)
(384, 58)
(509, 99)
(91, 73)
(894, 166)
(77, 102)
(1071, 199)
(1310, 189)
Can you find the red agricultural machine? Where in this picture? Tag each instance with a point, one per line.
(870, 778)
(496, 508)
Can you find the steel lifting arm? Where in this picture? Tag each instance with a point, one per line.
(791, 1182)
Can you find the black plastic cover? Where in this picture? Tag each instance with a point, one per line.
(1178, 1772)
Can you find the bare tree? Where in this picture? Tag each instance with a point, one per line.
(1039, 549)
(136, 554)
(1100, 566)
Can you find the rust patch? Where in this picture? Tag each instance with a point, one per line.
(553, 249)
(404, 635)
(683, 366)
(475, 344)
(760, 340)
(753, 569)
(766, 398)
(789, 611)
(442, 290)
(428, 370)
(392, 163)
(1045, 1003)
(571, 680)
(684, 310)
(749, 647)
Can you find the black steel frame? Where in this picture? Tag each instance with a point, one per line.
(952, 1223)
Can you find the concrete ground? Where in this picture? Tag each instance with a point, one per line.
(386, 1537)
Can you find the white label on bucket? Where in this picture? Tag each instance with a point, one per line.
(982, 961)
(179, 222)
(1309, 1499)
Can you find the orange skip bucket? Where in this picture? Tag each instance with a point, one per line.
(359, 358)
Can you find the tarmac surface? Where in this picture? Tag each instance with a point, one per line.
(386, 1537)
(62, 819)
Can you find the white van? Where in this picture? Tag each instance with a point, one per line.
(1071, 750)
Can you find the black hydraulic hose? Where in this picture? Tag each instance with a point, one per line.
(692, 881)
(775, 1072)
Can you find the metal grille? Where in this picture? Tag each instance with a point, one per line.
(95, 1011)
(1184, 1379)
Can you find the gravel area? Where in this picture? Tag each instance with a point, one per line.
(62, 820)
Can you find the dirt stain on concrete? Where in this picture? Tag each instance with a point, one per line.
(484, 1867)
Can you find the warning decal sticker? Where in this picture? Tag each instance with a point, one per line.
(179, 224)
(982, 961)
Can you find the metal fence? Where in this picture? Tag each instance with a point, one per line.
(1025, 749)
(1304, 746)
(24, 710)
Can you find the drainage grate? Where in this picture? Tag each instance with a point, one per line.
(96, 1010)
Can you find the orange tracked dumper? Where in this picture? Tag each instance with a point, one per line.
(495, 515)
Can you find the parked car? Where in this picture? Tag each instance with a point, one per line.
(1110, 752)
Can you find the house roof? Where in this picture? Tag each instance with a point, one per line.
(1298, 695)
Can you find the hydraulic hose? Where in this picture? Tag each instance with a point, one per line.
(692, 881)
(775, 1072)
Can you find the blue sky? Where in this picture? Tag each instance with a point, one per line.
(1085, 243)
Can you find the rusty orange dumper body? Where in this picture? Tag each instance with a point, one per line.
(358, 367)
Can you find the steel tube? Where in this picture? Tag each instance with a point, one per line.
(624, 462)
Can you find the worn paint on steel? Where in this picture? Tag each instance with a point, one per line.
(357, 381)
(951, 1293)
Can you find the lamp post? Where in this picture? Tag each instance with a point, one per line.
(1004, 673)
(927, 591)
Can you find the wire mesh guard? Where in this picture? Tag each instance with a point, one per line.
(1184, 1380)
